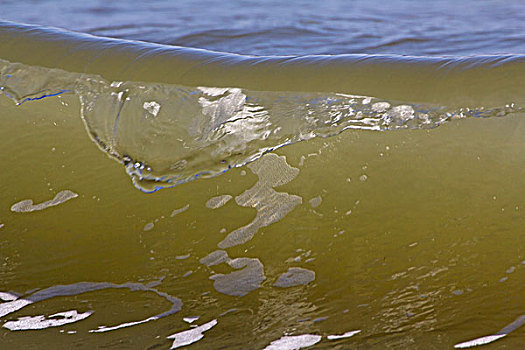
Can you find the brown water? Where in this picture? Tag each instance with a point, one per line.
(405, 231)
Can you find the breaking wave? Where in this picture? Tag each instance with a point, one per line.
(172, 114)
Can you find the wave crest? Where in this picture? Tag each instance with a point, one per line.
(167, 131)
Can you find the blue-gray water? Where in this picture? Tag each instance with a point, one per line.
(300, 27)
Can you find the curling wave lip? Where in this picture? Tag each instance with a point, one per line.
(452, 81)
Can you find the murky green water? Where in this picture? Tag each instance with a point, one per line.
(415, 237)
(148, 202)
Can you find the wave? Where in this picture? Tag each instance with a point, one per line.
(172, 114)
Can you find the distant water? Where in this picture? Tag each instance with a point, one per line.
(301, 27)
(310, 174)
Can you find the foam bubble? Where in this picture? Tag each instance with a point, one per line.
(315, 202)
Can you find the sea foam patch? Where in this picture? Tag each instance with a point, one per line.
(27, 206)
(248, 276)
(42, 322)
(271, 206)
(295, 276)
(294, 342)
(8, 296)
(190, 336)
(218, 201)
(9, 307)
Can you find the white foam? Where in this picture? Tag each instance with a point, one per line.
(103, 329)
(84, 287)
(479, 341)
(27, 206)
(12, 306)
(295, 276)
(219, 201)
(247, 278)
(271, 206)
(190, 336)
(190, 319)
(215, 258)
(152, 107)
(41, 322)
(7, 296)
(294, 342)
(315, 202)
(345, 335)
(517, 323)
(180, 210)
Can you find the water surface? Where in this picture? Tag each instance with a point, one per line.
(160, 196)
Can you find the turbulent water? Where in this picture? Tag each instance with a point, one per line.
(391, 219)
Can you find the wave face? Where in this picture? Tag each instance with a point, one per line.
(172, 114)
